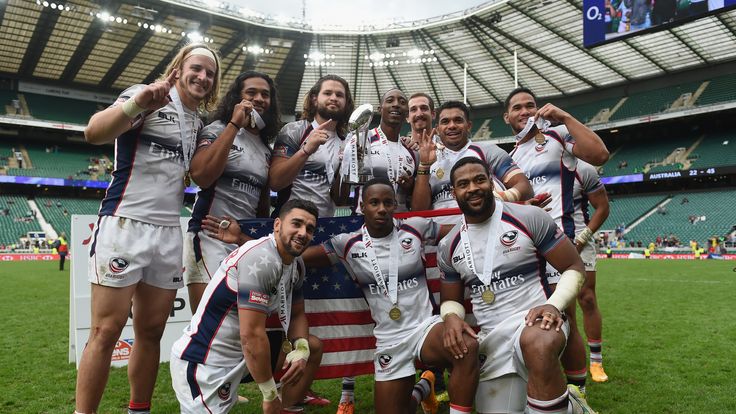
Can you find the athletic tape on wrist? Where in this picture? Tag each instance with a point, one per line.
(301, 351)
(268, 389)
(567, 289)
(584, 237)
(131, 109)
(512, 194)
(451, 307)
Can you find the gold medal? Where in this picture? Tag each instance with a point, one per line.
(488, 296)
(440, 173)
(539, 137)
(286, 346)
(394, 313)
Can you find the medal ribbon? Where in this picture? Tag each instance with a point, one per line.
(541, 124)
(329, 154)
(187, 145)
(392, 172)
(490, 252)
(285, 295)
(391, 285)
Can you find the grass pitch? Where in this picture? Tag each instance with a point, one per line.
(667, 343)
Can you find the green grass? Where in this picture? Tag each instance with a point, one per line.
(668, 343)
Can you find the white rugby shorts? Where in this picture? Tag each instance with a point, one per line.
(501, 356)
(124, 252)
(589, 260)
(396, 360)
(203, 388)
(202, 257)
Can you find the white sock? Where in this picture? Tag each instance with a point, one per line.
(348, 390)
(556, 406)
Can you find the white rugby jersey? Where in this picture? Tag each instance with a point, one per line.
(402, 159)
(586, 181)
(550, 167)
(518, 282)
(499, 162)
(247, 279)
(414, 299)
(237, 191)
(148, 177)
(314, 181)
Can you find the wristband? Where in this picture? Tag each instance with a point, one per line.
(268, 389)
(584, 237)
(425, 164)
(131, 109)
(234, 124)
(511, 195)
(449, 307)
(422, 171)
(567, 289)
(301, 351)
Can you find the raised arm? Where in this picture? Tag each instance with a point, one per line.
(105, 126)
(284, 170)
(421, 197)
(210, 158)
(589, 146)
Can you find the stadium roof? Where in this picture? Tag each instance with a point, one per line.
(106, 46)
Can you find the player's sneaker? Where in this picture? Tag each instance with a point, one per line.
(346, 408)
(443, 396)
(430, 404)
(578, 401)
(313, 399)
(597, 372)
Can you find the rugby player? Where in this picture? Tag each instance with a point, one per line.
(227, 336)
(136, 250)
(389, 157)
(498, 251)
(589, 190)
(432, 188)
(385, 258)
(306, 154)
(231, 166)
(549, 159)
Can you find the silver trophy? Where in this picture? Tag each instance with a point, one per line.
(359, 169)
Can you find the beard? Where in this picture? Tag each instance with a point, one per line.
(471, 211)
(337, 116)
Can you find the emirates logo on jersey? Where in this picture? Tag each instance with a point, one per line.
(384, 360)
(509, 238)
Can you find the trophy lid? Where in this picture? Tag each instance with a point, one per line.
(361, 117)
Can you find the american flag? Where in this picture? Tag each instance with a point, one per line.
(336, 309)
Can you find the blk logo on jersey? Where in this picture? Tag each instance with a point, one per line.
(118, 264)
(384, 360)
(406, 243)
(224, 391)
(509, 238)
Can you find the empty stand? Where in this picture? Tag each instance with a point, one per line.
(626, 210)
(58, 211)
(13, 209)
(715, 206)
(652, 102)
(715, 150)
(719, 89)
(54, 108)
